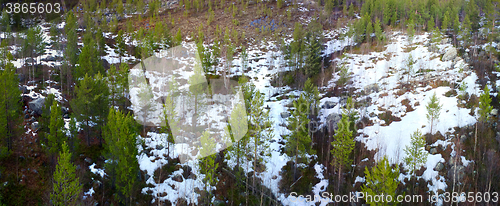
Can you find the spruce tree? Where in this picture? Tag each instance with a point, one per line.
(382, 179)
(66, 186)
(433, 110)
(369, 31)
(416, 156)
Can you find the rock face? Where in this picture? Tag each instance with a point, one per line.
(450, 54)
(36, 105)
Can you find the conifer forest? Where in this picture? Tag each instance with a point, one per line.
(250, 102)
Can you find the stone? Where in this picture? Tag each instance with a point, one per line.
(36, 105)
(450, 54)
(27, 116)
(159, 147)
(329, 105)
(285, 115)
(219, 202)
(463, 138)
(371, 88)
(332, 120)
(24, 89)
(177, 178)
(457, 171)
(66, 116)
(445, 41)
(22, 77)
(494, 112)
(439, 166)
(433, 151)
(34, 126)
(88, 160)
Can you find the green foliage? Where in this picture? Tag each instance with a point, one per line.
(299, 141)
(207, 164)
(433, 110)
(378, 31)
(312, 96)
(71, 52)
(313, 49)
(344, 74)
(120, 135)
(89, 60)
(55, 136)
(343, 144)
(178, 37)
(485, 105)
(416, 156)
(369, 30)
(91, 103)
(120, 46)
(118, 84)
(67, 187)
(382, 179)
(10, 106)
(279, 4)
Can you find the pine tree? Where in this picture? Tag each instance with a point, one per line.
(121, 151)
(433, 110)
(411, 29)
(10, 106)
(446, 21)
(312, 96)
(378, 31)
(369, 31)
(120, 47)
(299, 140)
(409, 68)
(91, 102)
(416, 156)
(430, 24)
(178, 37)
(485, 105)
(342, 146)
(382, 179)
(55, 136)
(67, 187)
(207, 164)
(71, 52)
(313, 49)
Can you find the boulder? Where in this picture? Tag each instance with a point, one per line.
(177, 178)
(463, 138)
(450, 54)
(88, 160)
(34, 126)
(439, 166)
(24, 89)
(433, 151)
(457, 171)
(371, 88)
(332, 120)
(445, 40)
(494, 112)
(36, 105)
(285, 115)
(329, 104)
